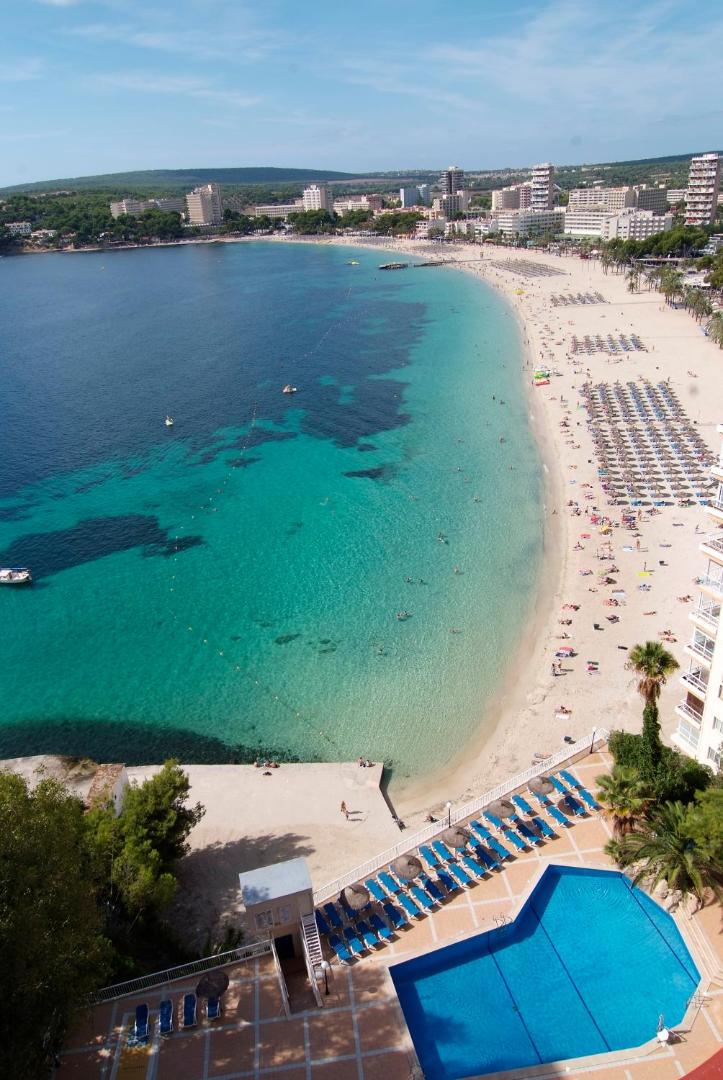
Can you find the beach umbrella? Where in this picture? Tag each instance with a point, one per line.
(502, 808)
(541, 785)
(407, 867)
(356, 897)
(455, 837)
(212, 984)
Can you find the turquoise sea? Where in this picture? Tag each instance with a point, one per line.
(233, 582)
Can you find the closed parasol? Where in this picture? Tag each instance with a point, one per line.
(212, 984)
(407, 867)
(356, 897)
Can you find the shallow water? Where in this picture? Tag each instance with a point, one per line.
(233, 582)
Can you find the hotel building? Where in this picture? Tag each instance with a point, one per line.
(317, 197)
(651, 198)
(701, 198)
(409, 196)
(452, 180)
(530, 222)
(507, 198)
(700, 725)
(543, 192)
(278, 211)
(600, 198)
(628, 224)
(203, 205)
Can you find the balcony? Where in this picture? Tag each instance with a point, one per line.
(712, 584)
(686, 739)
(707, 616)
(717, 470)
(696, 680)
(686, 711)
(701, 649)
(715, 508)
(713, 545)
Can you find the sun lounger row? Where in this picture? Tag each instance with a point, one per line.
(189, 1016)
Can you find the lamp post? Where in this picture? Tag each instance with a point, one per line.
(325, 966)
(449, 814)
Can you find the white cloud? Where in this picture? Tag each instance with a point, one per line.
(179, 85)
(234, 42)
(21, 70)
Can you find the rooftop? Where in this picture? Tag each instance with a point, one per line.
(275, 881)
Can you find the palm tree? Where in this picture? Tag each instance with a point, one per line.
(666, 852)
(624, 798)
(715, 328)
(633, 279)
(653, 664)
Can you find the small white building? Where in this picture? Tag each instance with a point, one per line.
(19, 228)
(276, 899)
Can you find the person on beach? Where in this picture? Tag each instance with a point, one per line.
(344, 810)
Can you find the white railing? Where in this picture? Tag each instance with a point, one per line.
(709, 615)
(705, 653)
(715, 542)
(282, 981)
(598, 737)
(684, 707)
(312, 954)
(709, 582)
(160, 978)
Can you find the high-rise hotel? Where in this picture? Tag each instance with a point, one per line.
(543, 189)
(700, 725)
(701, 197)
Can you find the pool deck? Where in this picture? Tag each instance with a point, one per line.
(361, 1034)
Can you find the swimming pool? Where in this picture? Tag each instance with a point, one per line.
(587, 967)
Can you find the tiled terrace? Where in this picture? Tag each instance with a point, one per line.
(361, 1034)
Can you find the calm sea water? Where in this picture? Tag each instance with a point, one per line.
(233, 582)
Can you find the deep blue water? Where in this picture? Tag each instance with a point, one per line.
(587, 967)
(234, 581)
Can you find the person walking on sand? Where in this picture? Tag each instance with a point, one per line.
(344, 810)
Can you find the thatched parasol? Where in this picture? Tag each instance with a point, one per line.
(540, 784)
(356, 897)
(407, 867)
(455, 837)
(502, 808)
(212, 984)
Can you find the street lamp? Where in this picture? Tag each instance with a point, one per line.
(449, 814)
(326, 967)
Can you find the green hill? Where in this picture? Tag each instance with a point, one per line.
(173, 180)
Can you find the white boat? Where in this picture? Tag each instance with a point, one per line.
(169, 421)
(15, 575)
(289, 389)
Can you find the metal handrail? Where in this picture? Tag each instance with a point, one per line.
(160, 978)
(683, 706)
(282, 980)
(433, 830)
(714, 541)
(701, 651)
(710, 614)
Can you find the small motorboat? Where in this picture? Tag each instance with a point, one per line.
(15, 575)
(289, 389)
(169, 421)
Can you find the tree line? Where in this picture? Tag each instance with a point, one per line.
(82, 902)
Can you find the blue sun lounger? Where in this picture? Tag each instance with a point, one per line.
(353, 941)
(213, 1008)
(498, 848)
(392, 886)
(473, 866)
(165, 1017)
(342, 953)
(587, 798)
(460, 875)
(140, 1027)
(381, 927)
(552, 810)
(432, 889)
(515, 840)
(375, 889)
(575, 805)
(443, 851)
(558, 786)
(369, 939)
(447, 882)
(526, 832)
(493, 819)
(579, 790)
(321, 924)
(409, 906)
(396, 918)
(484, 856)
(479, 830)
(570, 779)
(189, 1010)
(542, 826)
(429, 857)
(332, 915)
(522, 804)
(422, 897)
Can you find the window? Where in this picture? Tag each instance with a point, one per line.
(264, 919)
(285, 914)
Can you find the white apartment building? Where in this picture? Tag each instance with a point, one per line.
(278, 211)
(507, 198)
(701, 199)
(19, 228)
(601, 198)
(676, 195)
(409, 196)
(530, 222)
(585, 220)
(425, 194)
(132, 207)
(700, 725)
(543, 191)
(317, 197)
(635, 225)
(203, 205)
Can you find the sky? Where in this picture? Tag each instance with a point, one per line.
(95, 86)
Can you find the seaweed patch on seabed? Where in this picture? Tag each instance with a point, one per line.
(381, 472)
(50, 552)
(242, 462)
(284, 639)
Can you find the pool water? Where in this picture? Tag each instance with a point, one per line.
(588, 966)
